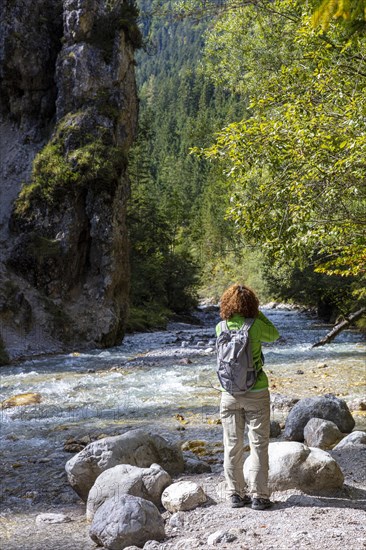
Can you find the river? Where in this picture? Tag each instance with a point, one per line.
(164, 380)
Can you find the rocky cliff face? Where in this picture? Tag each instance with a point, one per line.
(68, 117)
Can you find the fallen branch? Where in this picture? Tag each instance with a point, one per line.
(341, 326)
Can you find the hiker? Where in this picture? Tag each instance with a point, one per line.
(239, 308)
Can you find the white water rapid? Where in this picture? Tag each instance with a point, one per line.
(153, 376)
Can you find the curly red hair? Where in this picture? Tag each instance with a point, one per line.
(239, 299)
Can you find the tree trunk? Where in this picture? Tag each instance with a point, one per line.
(341, 326)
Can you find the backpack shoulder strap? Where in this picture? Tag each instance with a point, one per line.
(247, 324)
(223, 326)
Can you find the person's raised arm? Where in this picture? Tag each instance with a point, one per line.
(268, 332)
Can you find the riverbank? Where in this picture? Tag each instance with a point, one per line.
(165, 382)
(296, 521)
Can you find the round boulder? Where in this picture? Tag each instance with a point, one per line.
(194, 465)
(183, 495)
(135, 447)
(355, 438)
(293, 465)
(321, 433)
(126, 520)
(327, 407)
(147, 483)
(275, 429)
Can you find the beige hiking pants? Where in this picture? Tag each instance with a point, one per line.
(251, 409)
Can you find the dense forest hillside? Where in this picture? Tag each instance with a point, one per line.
(182, 244)
(248, 203)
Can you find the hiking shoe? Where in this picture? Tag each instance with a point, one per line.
(261, 503)
(239, 502)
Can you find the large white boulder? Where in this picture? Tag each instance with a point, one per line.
(135, 447)
(293, 465)
(147, 483)
(183, 495)
(126, 520)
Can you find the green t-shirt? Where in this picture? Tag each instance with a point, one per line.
(262, 330)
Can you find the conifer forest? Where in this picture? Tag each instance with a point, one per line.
(249, 161)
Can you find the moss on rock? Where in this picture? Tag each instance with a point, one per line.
(79, 156)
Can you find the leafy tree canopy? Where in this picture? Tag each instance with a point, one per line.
(296, 160)
(352, 13)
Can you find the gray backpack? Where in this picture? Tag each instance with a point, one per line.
(235, 367)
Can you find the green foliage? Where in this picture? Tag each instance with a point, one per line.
(162, 272)
(151, 317)
(281, 191)
(329, 294)
(181, 198)
(73, 160)
(296, 161)
(120, 15)
(240, 265)
(350, 12)
(177, 110)
(181, 282)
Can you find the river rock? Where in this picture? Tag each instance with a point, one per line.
(177, 520)
(183, 495)
(355, 438)
(327, 407)
(282, 402)
(43, 519)
(126, 520)
(152, 545)
(357, 405)
(293, 465)
(147, 483)
(194, 465)
(321, 433)
(220, 537)
(21, 400)
(275, 429)
(191, 543)
(135, 447)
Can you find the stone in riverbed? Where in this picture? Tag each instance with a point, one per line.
(183, 495)
(21, 400)
(188, 544)
(327, 407)
(357, 405)
(147, 483)
(321, 433)
(177, 520)
(275, 429)
(220, 537)
(194, 465)
(126, 520)
(152, 545)
(293, 465)
(43, 519)
(282, 402)
(135, 447)
(355, 438)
